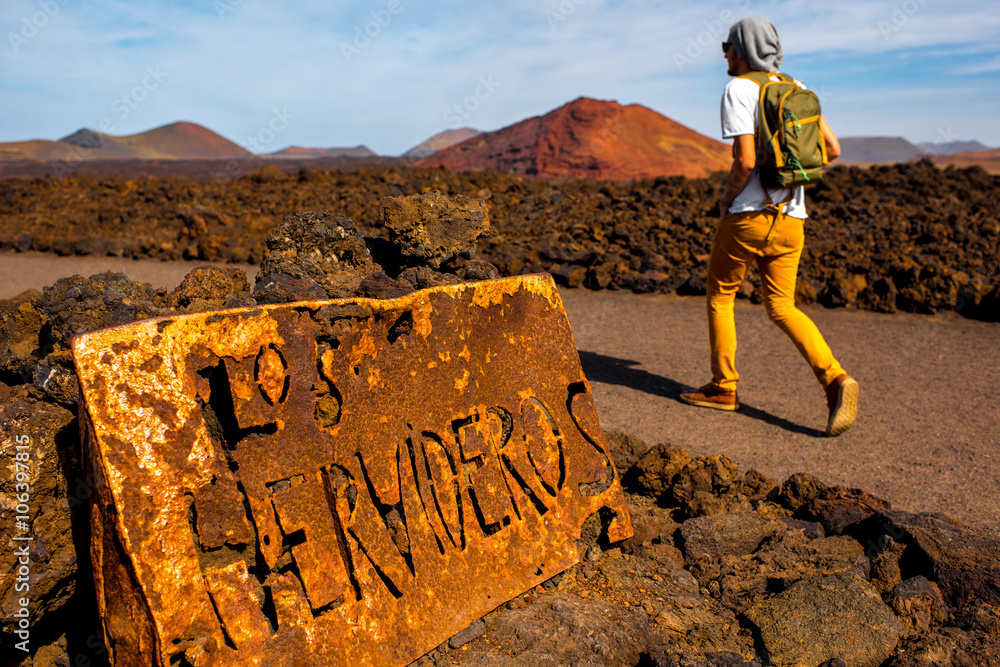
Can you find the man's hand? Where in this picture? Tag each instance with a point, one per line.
(721, 208)
(744, 160)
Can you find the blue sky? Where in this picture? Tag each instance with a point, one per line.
(391, 73)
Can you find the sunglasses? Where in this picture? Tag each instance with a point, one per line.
(725, 46)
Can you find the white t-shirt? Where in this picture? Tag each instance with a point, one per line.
(739, 116)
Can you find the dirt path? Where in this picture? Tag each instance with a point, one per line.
(21, 271)
(928, 434)
(927, 437)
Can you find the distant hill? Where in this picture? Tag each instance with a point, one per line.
(440, 141)
(877, 149)
(300, 153)
(176, 141)
(898, 149)
(589, 138)
(34, 149)
(950, 147)
(988, 159)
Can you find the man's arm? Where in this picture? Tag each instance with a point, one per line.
(830, 139)
(744, 160)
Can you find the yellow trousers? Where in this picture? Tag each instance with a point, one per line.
(775, 242)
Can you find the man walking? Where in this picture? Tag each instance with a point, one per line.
(765, 226)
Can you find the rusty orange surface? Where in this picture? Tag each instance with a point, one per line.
(336, 482)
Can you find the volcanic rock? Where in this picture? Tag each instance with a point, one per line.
(653, 532)
(563, 629)
(757, 486)
(787, 556)
(46, 435)
(799, 489)
(76, 304)
(918, 604)
(821, 618)
(379, 285)
(730, 534)
(625, 449)
(54, 378)
(282, 288)
(476, 269)
(475, 629)
(321, 247)
(951, 646)
(422, 277)
(432, 229)
(960, 559)
(652, 603)
(666, 656)
(835, 507)
(570, 276)
(656, 470)
(212, 288)
(21, 322)
(885, 554)
(707, 474)
(99, 247)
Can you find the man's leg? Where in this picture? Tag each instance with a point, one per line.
(778, 267)
(732, 251)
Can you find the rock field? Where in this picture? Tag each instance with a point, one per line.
(908, 237)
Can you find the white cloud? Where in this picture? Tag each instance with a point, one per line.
(418, 63)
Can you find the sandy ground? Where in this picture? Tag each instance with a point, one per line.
(928, 434)
(927, 437)
(32, 270)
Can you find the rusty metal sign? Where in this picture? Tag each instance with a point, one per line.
(336, 482)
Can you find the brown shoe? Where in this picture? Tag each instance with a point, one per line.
(711, 396)
(842, 400)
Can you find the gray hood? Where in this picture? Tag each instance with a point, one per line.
(757, 41)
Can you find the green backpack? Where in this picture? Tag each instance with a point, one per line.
(788, 135)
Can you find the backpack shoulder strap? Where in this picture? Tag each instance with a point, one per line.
(760, 78)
